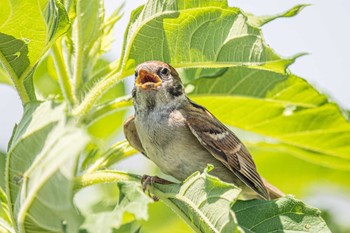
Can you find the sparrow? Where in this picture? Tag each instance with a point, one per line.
(182, 137)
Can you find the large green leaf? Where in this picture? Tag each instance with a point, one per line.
(194, 34)
(282, 108)
(27, 29)
(282, 215)
(203, 201)
(42, 158)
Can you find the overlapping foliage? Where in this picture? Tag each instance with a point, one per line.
(74, 103)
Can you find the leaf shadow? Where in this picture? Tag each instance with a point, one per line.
(15, 51)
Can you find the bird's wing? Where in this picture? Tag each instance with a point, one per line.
(224, 146)
(131, 134)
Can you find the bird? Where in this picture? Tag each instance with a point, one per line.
(182, 137)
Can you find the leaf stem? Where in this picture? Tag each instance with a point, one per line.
(79, 50)
(96, 92)
(64, 80)
(110, 107)
(106, 176)
(22, 92)
(112, 156)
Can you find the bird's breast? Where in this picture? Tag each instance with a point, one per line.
(170, 144)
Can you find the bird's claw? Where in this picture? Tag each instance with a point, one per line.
(151, 180)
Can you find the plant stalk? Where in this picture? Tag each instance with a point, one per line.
(110, 107)
(96, 92)
(64, 80)
(106, 176)
(79, 50)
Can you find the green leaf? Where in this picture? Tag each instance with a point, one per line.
(259, 21)
(163, 219)
(282, 215)
(203, 201)
(258, 100)
(113, 206)
(13, 55)
(4, 77)
(23, 44)
(5, 219)
(211, 34)
(295, 175)
(90, 38)
(41, 167)
(46, 79)
(131, 227)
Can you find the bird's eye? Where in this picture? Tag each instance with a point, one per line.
(136, 74)
(164, 71)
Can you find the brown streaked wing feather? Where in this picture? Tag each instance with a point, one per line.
(224, 146)
(131, 134)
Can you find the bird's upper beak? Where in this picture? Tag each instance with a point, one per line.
(147, 80)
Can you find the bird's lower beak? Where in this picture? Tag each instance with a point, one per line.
(147, 80)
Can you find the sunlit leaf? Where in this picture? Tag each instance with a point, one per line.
(46, 80)
(27, 31)
(4, 77)
(131, 227)
(282, 215)
(203, 201)
(261, 20)
(192, 34)
(295, 174)
(41, 168)
(279, 107)
(163, 219)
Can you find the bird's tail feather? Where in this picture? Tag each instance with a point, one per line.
(274, 192)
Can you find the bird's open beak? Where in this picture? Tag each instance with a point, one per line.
(147, 80)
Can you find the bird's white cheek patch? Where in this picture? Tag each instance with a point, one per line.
(218, 136)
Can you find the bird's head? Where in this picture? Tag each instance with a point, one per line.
(157, 84)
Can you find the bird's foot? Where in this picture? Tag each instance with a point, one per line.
(151, 180)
